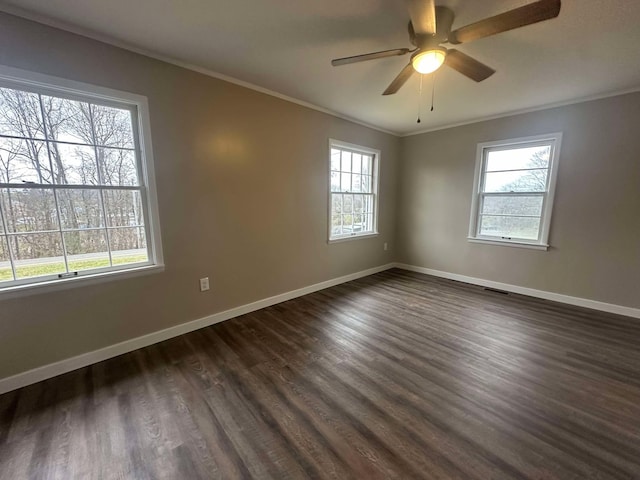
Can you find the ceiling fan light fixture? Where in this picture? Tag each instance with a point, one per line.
(427, 61)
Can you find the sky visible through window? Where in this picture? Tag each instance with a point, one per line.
(521, 169)
(513, 188)
(70, 195)
(352, 193)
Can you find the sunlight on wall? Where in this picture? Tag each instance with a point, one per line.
(228, 149)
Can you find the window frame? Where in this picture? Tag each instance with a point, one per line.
(29, 81)
(554, 140)
(338, 144)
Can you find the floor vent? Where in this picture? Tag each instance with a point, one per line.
(495, 290)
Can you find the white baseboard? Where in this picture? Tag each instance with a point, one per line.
(67, 365)
(531, 292)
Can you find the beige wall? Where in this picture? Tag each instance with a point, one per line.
(242, 182)
(243, 199)
(595, 227)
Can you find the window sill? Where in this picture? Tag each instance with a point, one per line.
(76, 282)
(353, 237)
(509, 243)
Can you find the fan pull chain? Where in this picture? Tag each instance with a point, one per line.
(433, 89)
(420, 98)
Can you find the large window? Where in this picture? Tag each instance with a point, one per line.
(353, 190)
(74, 196)
(513, 191)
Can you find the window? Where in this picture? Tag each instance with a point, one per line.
(75, 196)
(353, 198)
(513, 191)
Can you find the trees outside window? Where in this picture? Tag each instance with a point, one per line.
(72, 197)
(513, 190)
(353, 180)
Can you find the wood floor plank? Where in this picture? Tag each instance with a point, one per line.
(393, 376)
(422, 395)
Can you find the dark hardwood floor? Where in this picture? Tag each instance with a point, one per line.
(397, 375)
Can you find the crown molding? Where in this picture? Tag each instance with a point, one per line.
(546, 106)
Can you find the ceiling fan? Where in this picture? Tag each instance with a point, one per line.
(430, 27)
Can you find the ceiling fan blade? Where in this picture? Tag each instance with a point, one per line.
(400, 80)
(468, 66)
(423, 16)
(369, 56)
(519, 17)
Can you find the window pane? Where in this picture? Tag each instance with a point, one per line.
(336, 203)
(367, 183)
(67, 120)
(128, 245)
(74, 164)
(356, 163)
(37, 254)
(513, 205)
(347, 223)
(335, 159)
(123, 208)
(20, 114)
(367, 161)
(346, 161)
(335, 181)
(80, 150)
(336, 224)
(113, 126)
(357, 184)
(24, 161)
(80, 208)
(86, 249)
(347, 204)
(358, 203)
(352, 209)
(345, 182)
(520, 181)
(518, 158)
(28, 209)
(6, 274)
(513, 227)
(118, 167)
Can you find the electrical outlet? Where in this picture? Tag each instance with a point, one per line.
(204, 284)
(385, 246)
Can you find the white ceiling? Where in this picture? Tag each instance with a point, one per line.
(285, 46)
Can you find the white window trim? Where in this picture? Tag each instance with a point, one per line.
(24, 79)
(376, 169)
(547, 208)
